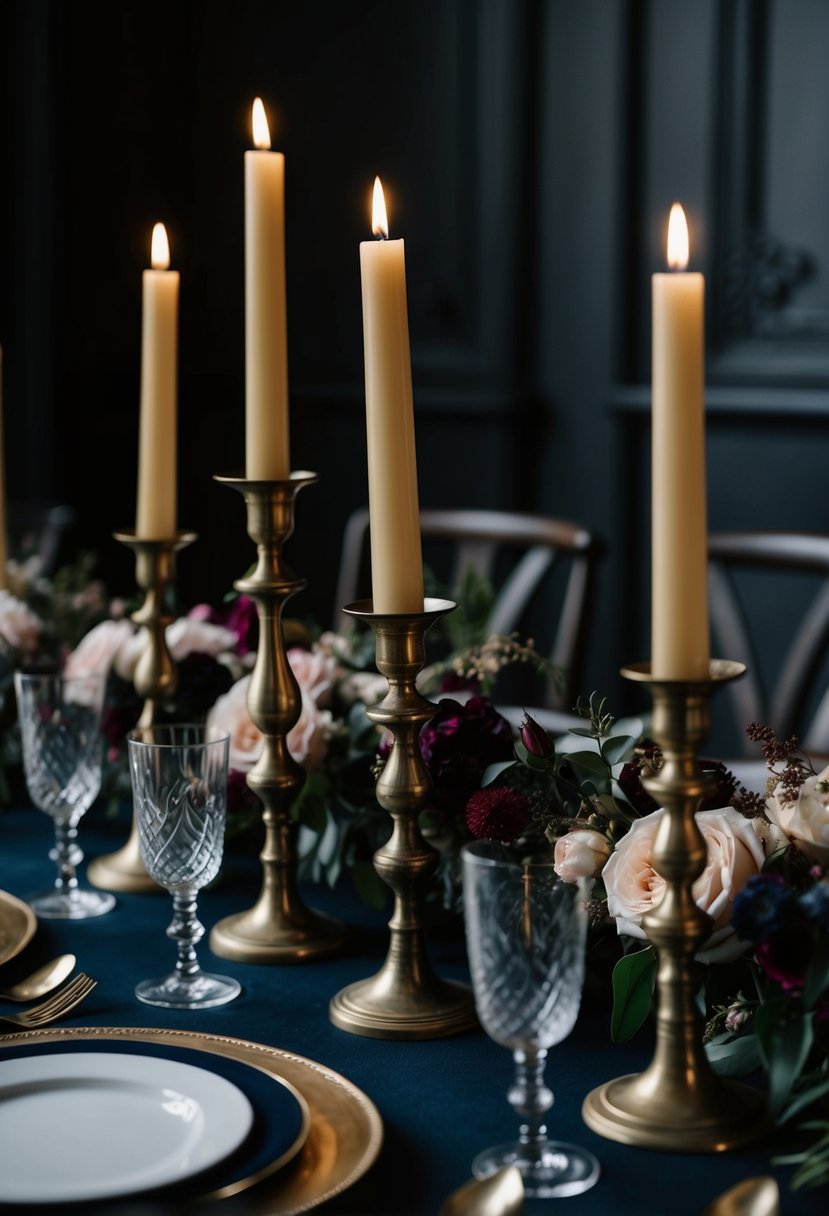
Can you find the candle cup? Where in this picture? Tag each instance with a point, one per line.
(405, 999)
(156, 680)
(279, 928)
(678, 1104)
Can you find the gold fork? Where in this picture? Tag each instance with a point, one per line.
(57, 1005)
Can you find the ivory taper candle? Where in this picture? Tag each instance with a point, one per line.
(157, 448)
(266, 337)
(680, 646)
(396, 558)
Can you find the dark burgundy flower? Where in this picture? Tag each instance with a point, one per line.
(535, 738)
(240, 797)
(458, 744)
(240, 617)
(630, 783)
(497, 813)
(785, 958)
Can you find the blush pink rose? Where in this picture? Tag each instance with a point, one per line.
(307, 740)
(97, 650)
(19, 626)
(634, 888)
(185, 636)
(316, 672)
(581, 854)
(804, 820)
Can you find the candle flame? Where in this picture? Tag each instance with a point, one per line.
(379, 219)
(261, 132)
(677, 239)
(160, 256)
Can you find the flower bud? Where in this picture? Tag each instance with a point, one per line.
(536, 739)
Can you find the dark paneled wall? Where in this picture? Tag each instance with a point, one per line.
(530, 149)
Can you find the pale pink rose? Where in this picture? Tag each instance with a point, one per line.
(634, 888)
(19, 626)
(185, 636)
(805, 819)
(307, 740)
(96, 651)
(316, 672)
(581, 854)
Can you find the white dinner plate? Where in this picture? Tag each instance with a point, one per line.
(98, 1125)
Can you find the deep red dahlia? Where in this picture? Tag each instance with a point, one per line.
(497, 813)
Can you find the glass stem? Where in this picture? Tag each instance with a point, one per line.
(186, 930)
(529, 1096)
(67, 855)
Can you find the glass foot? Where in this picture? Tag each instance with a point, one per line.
(76, 904)
(549, 1168)
(201, 991)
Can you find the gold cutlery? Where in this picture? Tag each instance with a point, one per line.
(501, 1194)
(41, 981)
(56, 1006)
(753, 1197)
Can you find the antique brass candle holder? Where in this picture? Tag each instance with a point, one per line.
(156, 680)
(678, 1103)
(279, 928)
(405, 999)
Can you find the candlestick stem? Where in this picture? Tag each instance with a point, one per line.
(155, 679)
(678, 1103)
(405, 999)
(279, 928)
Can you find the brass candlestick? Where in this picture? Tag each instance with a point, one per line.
(279, 928)
(156, 679)
(405, 999)
(678, 1103)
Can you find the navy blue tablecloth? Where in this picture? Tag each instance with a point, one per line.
(441, 1101)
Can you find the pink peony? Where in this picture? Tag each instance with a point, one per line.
(581, 854)
(634, 888)
(315, 671)
(307, 740)
(19, 626)
(97, 650)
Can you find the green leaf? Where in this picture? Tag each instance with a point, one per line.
(590, 766)
(582, 732)
(492, 771)
(804, 1099)
(313, 814)
(634, 977)
(618, 749)
(735, 1058)
(817, 975)
(787, 1052)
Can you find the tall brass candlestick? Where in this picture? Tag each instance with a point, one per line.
(279, 928)
(156, 680)
(405, 999)
(678, 1103)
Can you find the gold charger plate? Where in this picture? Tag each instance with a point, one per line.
(17, 926)
(346, 1130)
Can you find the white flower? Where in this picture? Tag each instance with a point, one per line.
(804, 819)
(19, 626)
(185, 636)
(581, 854)
(634, 888)
(97, 650)
(307, 740)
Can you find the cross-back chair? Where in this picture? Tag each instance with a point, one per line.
(478, 539)
(792, 699)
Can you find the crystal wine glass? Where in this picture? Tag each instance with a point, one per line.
(179, 784)
(60, 724)
(526, 931)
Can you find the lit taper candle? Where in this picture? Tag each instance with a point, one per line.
(396, 559)
(680, 646)
(157, 450)
(266, 339)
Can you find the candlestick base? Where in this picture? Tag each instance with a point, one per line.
(405, 999)
(678, 1104)
(260, 935)
(156, 679)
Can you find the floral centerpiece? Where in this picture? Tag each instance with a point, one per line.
(764, 969)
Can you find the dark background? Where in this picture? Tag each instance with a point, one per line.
(530, 150)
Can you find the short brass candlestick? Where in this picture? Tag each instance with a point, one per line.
(678, 1103)
(279, 928)
(405, 999)
(155, 679)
